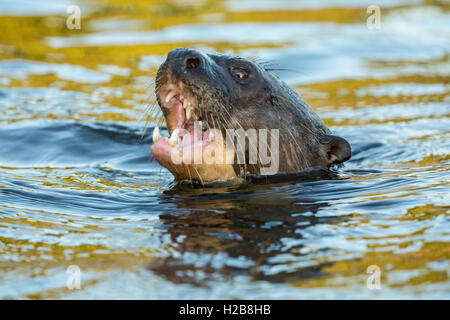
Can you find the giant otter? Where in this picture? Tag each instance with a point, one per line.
(204, 96)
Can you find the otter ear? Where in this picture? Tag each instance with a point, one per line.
(336, 148)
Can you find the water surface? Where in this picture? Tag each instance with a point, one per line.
(78, 185)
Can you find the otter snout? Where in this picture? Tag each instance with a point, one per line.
(186, 60)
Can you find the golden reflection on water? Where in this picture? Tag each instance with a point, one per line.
(24, 38)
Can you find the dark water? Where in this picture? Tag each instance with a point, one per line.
(78, 185)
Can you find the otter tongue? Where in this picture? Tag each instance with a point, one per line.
(195, 131)
(196, 134)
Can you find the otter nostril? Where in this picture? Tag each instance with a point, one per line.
(192, 63)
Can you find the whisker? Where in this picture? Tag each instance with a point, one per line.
(284, 69)
(201, 180)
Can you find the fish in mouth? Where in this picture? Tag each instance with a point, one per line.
(204, 97)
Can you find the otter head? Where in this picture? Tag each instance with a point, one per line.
(228, 117)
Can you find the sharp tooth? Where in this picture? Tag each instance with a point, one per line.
(185, 103)
(188, 113)
(156, 134)
(173, 141)
(170, 95)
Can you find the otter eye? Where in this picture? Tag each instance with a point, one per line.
(239, 73)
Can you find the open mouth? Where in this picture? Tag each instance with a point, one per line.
(186, 128)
